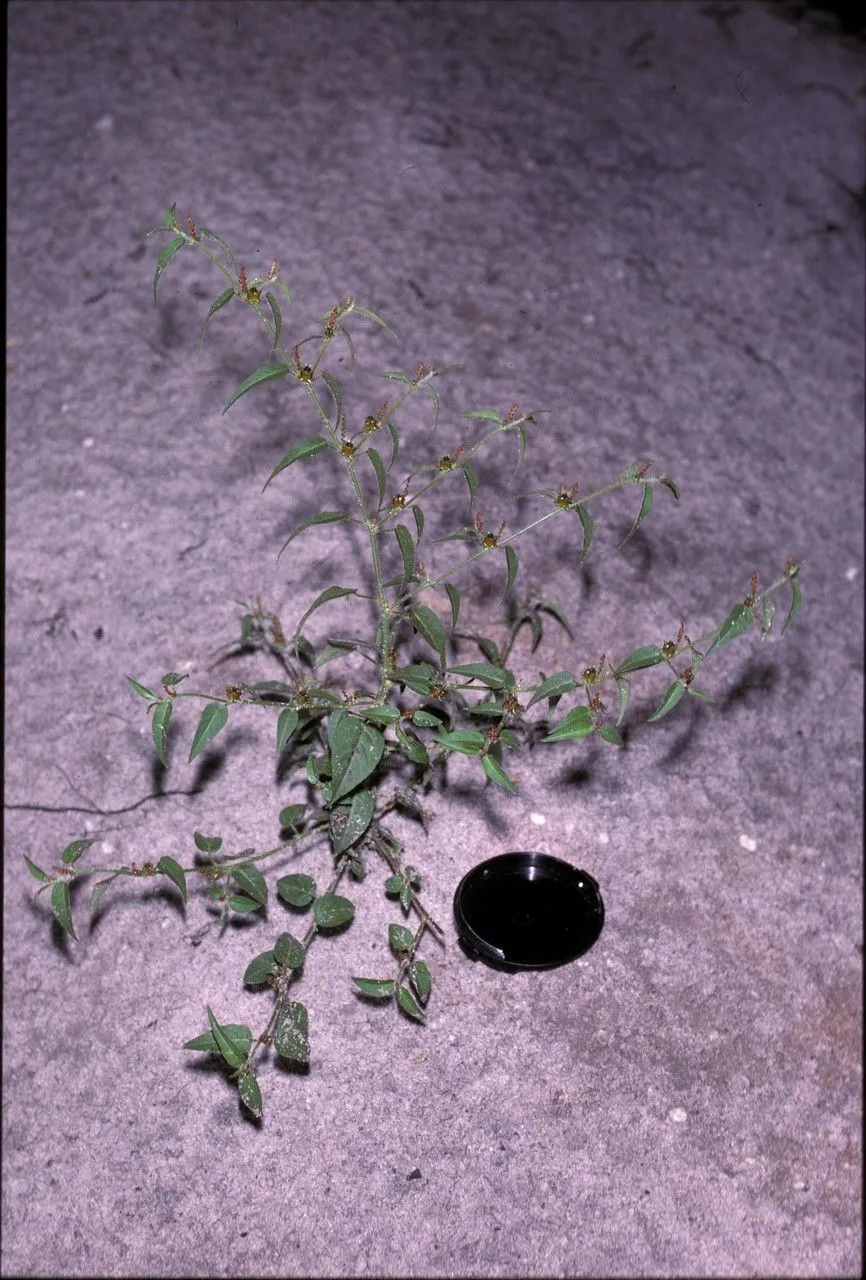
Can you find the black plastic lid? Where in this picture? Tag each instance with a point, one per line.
(527, 911)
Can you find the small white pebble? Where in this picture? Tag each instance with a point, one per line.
(88, 822)
(851, 573)
(746, 842)
(538, 819)
(87, 442)
(603, 837)
(799, 1185)
(588, 320)
(165, 924)
(677, 1115)
(104, 124)
(107, 847)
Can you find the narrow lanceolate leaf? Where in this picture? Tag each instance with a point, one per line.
(298, 890)
(159, 727)
(553, 687)
(215, 306)
(419, 976)
(407, 550)
(670, 698)
(497, 774)
(796, 598)
(331, 911)
(471, 480)
(73, 851)
(251, 882)
(649, 656)
(278, 319)
(287, 723)
(371, 315)
(289, 952)
(511, 561)
(577, 724)
(356, 749)
(737, 621)
(359, 818)
(36, 872)
(454, 597)
(225, 1043)
(248, 1087)
(645, 507)
(302, 451)
(61, 906)
(768, 613)
(429, 626)
(486, 415)
(409, 1004)
(419, 522)
(378, 988)
(588, 524)
(175, 872)
(165, 258)
(469, 742)
(213, 718)
(142, 690)
(324, 597)
(492, 676)
(400, 937)
(624, 695)
(381, 474)
(260, 969)
(241, 1035)
(324, 517)
(291, 1038)
(267, 373)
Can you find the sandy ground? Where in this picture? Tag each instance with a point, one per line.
(645, 219)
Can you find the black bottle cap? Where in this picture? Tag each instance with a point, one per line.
(527, 911)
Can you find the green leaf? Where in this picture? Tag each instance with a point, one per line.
(737, 621)
(287, 723)
(207, 844)
(394, 886)
(669, 484)
(413, 748)
(226, 1044)
(487, 415)
(556, 610)
(36, 872)
(161, 718)
(356, 749)
(796, 600)
(175, 872)
(409, 1004)
(330, 593)
(99, 891)
(61, 906)
(240, 1035)
(386, 714)
(469, 742)
(248, 1087)
(645, 507)
(381, 474)
(291, 815)
(278, 319)
(407, 551)
(768, 613)
(426, 719)
(215, 306)
(297, 890)
(454, 597)
(359, 819)
(73, 851)
(172, 678)
(142, 690)
(588, 524)
(378, 988)
(624, 695)
(492, 676)
(649, 656)
(291, 1037)
(300, 452)
(577, 724)
(429, 626)
(419, 976)
(511, 561)
(371, 315)
(417, 676)
(165, 258)
(267, 373)
(553, 687)
(289, 952)
(213, 718)
(497, 774)
(243, 905)
(324, 517)
(471, 480)
(251, 882)
(331, 911)
(400, 938)
(261, 968)
(419, 521)
(669, 700)
(611, 735)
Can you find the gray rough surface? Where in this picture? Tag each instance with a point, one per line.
(640, 217)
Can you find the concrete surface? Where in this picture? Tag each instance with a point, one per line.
(647, 219)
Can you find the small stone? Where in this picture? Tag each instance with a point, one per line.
(747, 843)
(677, 1115)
